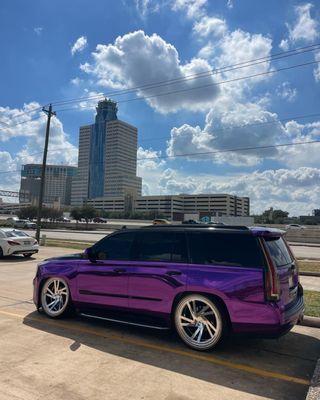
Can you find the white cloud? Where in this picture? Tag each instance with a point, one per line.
(284, 45)
(79, 45)
(286, 92)
(210, 26)
(38, 30)
(305, 27)
(76, 81)
(316, 71)
(137, 59)
(145, 7)
(235, 127)
(61, 151)
(192, 8)
(230, 4)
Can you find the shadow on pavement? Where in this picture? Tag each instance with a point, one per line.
(294, 354)
(15, 259)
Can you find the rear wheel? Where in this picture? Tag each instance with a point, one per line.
(199, 322)
(27, 255)
(1, 252)
(55, 297)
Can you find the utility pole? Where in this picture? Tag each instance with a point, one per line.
(49, 113)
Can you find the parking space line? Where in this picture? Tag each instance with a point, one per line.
(202, 357)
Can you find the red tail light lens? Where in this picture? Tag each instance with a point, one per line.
(12, 243)
(272, 284)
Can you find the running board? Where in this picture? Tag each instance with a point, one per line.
(120, 321)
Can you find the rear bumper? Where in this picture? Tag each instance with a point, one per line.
(284, 319)
(22, 250)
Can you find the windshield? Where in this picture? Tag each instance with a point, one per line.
(15, 233)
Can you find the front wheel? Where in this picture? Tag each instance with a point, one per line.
(27, 255)
(55, 297)
(199, 322)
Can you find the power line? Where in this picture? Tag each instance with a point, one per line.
(202, 86)
(233, 67)
(230, 150)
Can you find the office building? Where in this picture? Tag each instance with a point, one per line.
(176, 207)
(58, 183)
(107, 161)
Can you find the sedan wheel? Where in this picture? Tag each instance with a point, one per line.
(198, 322)
(55, 297)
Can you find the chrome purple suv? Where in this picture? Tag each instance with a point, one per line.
(201, 279)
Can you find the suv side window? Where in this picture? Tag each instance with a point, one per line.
(161, 246)
(115, 247)
(211, 248)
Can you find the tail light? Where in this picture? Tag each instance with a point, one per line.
(272, 283)
(12, 243)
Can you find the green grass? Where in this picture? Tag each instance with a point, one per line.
(68, 244)
(309, 266)
(312, 303)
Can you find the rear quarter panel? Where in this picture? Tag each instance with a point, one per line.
(241, 289)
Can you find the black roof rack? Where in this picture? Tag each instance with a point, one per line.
(195, 226)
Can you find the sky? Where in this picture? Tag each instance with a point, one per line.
(193, 50)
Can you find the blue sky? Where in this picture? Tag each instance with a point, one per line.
(67, 50)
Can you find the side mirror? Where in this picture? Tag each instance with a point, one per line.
(90, 254)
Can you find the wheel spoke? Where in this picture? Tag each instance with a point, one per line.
(196, 333)
(204, 309)
(49, 295)
(209, 324)
(207, 313)
(50, 291)
(186, 319)
(191, 310)
(200, 333)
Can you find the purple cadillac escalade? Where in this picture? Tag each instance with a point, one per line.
(203, 280)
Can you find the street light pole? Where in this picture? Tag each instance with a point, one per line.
(49, 113)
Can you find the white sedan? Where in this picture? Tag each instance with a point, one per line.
(14, 241)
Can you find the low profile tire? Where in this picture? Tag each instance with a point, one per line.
(27, 255)
(55, 297)
(199, 322)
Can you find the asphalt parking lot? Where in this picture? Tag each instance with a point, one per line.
(78, 359)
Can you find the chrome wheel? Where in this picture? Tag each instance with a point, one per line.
(55, 297)
(198, 322)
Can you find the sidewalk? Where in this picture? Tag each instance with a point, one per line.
(310, 283)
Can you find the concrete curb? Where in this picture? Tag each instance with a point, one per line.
(303, 244)
(314, 388)
(313, 322)
(306, 273)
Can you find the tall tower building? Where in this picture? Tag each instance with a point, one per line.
(107, 162)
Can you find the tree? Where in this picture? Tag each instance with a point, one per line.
(28, 212)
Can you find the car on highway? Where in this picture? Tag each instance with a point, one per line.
(160, 221)
(100, 220)
(63, 219)
(204, 281)
(294, 226)
(14, 241)
(23, 224)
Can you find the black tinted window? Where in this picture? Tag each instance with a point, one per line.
(161, 246)
(278, 251)
(117, 247)
(224, 248)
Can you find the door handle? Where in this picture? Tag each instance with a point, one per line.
(119, 270)
(171, 273)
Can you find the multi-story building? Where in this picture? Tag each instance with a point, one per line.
(58, 182)
(107, 162)
(176, 206)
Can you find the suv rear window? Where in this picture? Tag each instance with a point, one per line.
(211, 248)
(278, 251)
